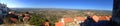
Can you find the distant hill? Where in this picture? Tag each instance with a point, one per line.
(59, 11)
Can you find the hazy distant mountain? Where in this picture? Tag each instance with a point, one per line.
(58, 11)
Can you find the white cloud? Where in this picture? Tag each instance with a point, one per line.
(11, 3)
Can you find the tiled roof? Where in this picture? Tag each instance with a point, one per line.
(102, 18)
(99, 18)
(59, 24)
(80, 18)
(68, 20)
(95, 18)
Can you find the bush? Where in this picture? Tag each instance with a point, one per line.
(37, 20)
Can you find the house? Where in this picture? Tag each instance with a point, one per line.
(76, 20)
(70, 21)
(3, 12)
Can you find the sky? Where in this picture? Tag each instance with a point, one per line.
(69, 4)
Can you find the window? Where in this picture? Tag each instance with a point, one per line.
(0, 12)
(3, 7)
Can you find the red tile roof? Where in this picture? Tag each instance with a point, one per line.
(99, 18)
(68, 20)
(95, 18)
(59, 24)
